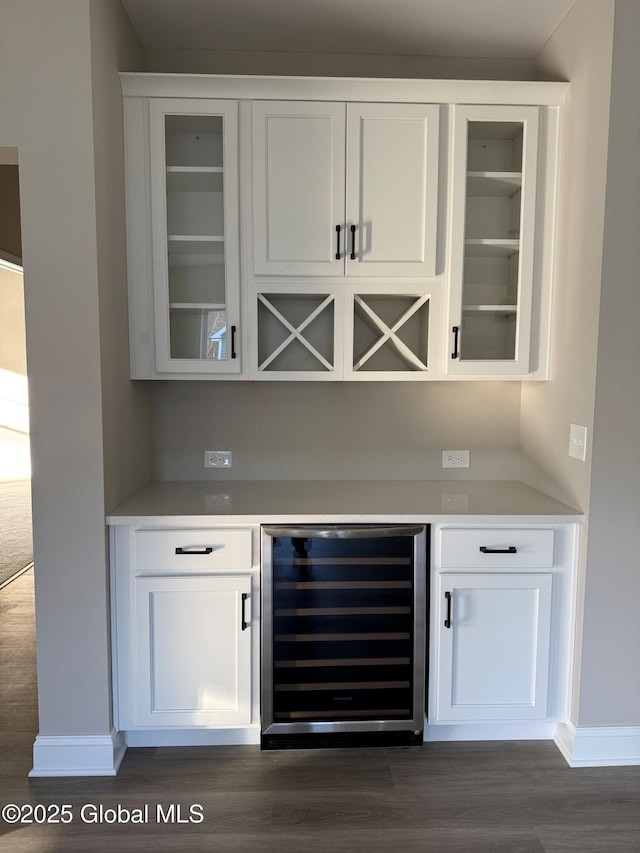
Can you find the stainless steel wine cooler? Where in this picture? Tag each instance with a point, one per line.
(343, 642)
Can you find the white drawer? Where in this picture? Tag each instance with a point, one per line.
(192, 549)
(496, 547)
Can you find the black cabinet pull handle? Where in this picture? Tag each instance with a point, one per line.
(195, 550)
(353, 242)
(233, 341)
(456, 332)
(245, 624)
(447, 621)
(510, 550)
(338, 229)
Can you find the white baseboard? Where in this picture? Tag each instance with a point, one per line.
(81, 755)
(599, 746)
(490, 731)
(193, 737)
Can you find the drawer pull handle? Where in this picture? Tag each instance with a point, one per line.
(447, 621)
(510, 550)
(194, 550)
(245, 624)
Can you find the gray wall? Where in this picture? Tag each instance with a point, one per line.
(350, 430)
(611, 633)
(596, 355)
(325, 63)
(46, 104)
(126, 409)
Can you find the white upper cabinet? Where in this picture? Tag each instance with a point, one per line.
(340, 228)
(298, 187)
(392, 189)
(493, 238)
(194, 195)
(344, 189)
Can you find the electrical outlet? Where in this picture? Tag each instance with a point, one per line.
(455, 459)
(578, 442)
(217, 459)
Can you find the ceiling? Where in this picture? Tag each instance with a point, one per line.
(515, 29)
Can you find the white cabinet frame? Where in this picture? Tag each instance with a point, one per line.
(520, 250)
(228, 110)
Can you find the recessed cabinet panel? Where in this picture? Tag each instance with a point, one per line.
(392, 189)
(298, 187)
(493, 238)
(494, 640)
(180, 676)
(194, 193)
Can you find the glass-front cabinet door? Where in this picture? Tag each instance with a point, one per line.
(494, 168)
(194, 199)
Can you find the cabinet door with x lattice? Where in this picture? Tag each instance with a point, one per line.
(360, 332)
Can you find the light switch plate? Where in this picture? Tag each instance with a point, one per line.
(578, 442)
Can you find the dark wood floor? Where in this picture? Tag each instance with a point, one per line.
(472, 798)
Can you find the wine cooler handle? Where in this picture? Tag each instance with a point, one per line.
(344, 531)
(447, 621)
(233, 342)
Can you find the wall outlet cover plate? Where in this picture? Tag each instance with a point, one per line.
(455, 459)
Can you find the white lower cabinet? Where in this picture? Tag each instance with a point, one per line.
(494, 633)
(186, 635)
(192, 651)
(502, 629)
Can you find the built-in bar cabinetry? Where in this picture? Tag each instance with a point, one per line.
(295, 228)
(499, 604)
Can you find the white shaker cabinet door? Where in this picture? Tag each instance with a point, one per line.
(192, 651)
(494, 635)
(298, 187)
(392, 189)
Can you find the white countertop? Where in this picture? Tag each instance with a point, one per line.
(281, 501)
